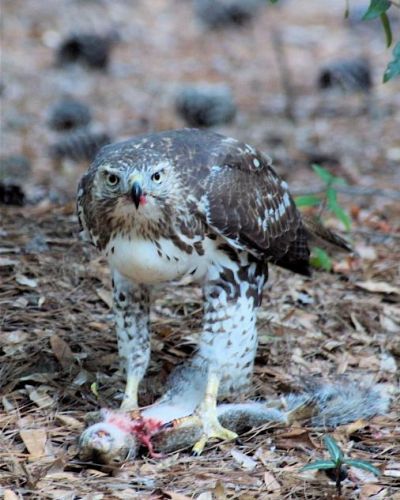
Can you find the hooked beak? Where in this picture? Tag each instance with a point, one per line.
(136, 193)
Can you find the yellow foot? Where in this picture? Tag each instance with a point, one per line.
(212, 430)
(207, 413)
(129, 404)
(130, 401)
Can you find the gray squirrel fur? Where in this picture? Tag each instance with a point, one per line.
(321, 405)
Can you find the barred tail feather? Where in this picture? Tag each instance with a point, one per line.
(322, 236)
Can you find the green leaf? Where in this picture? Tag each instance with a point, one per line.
(393, 68)
(388, 30)
(93, 388)
(331, 197)
(322, 173)
(309, 200)
(343, 216)
(319, 465)
(362, 464)
(335, 208)
(334, 450)
(320, 259)
(375, 9)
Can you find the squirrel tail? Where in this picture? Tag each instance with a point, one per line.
(323, 405)
(337, 404)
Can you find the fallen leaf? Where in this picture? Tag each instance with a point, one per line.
(40, 398)
(243, 460)
(271, 483)
(105, 296)
(355, 426)
(15, 337)
(35, 441)
(378, 287)
(10, 495)
(373, 490)
(295, 438)
(219, 491)
(391, 472)
(62, 351)
(370, 362)
(21, 303)
(70, 422)
(4, 262)
(25, 281)
(206, 495)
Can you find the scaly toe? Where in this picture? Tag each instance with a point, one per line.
(216, 432)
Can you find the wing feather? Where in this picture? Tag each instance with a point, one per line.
(249, 205)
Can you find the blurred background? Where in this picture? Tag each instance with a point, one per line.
(295, 79)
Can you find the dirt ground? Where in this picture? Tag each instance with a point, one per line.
(58, 352)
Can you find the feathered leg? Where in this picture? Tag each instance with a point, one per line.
(131, 311)
(223, 364)
(229, 340)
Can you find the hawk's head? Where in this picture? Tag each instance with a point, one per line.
(128, 187)
(142, 189)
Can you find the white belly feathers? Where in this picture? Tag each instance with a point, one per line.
(143, 261)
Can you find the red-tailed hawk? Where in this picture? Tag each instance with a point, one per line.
(191, 206)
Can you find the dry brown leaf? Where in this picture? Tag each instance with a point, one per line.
(369, 362)
(296, 438)
(70, 422)
(219, 491)
(355, 426)
(101, 327)
(106, 296)
(271, 483)
(40, 397)
(378, 287)
(35, 441)
(62, 351)
(371, 490)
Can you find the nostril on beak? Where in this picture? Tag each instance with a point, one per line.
(136, 193)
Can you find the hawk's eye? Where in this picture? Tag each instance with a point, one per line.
(112, 179)
(156, 177)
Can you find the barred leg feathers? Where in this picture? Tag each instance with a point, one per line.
(131, 306)
(321, 405)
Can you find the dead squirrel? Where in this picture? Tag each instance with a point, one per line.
(118, 435)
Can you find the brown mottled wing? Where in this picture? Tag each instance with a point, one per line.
(247, 203)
